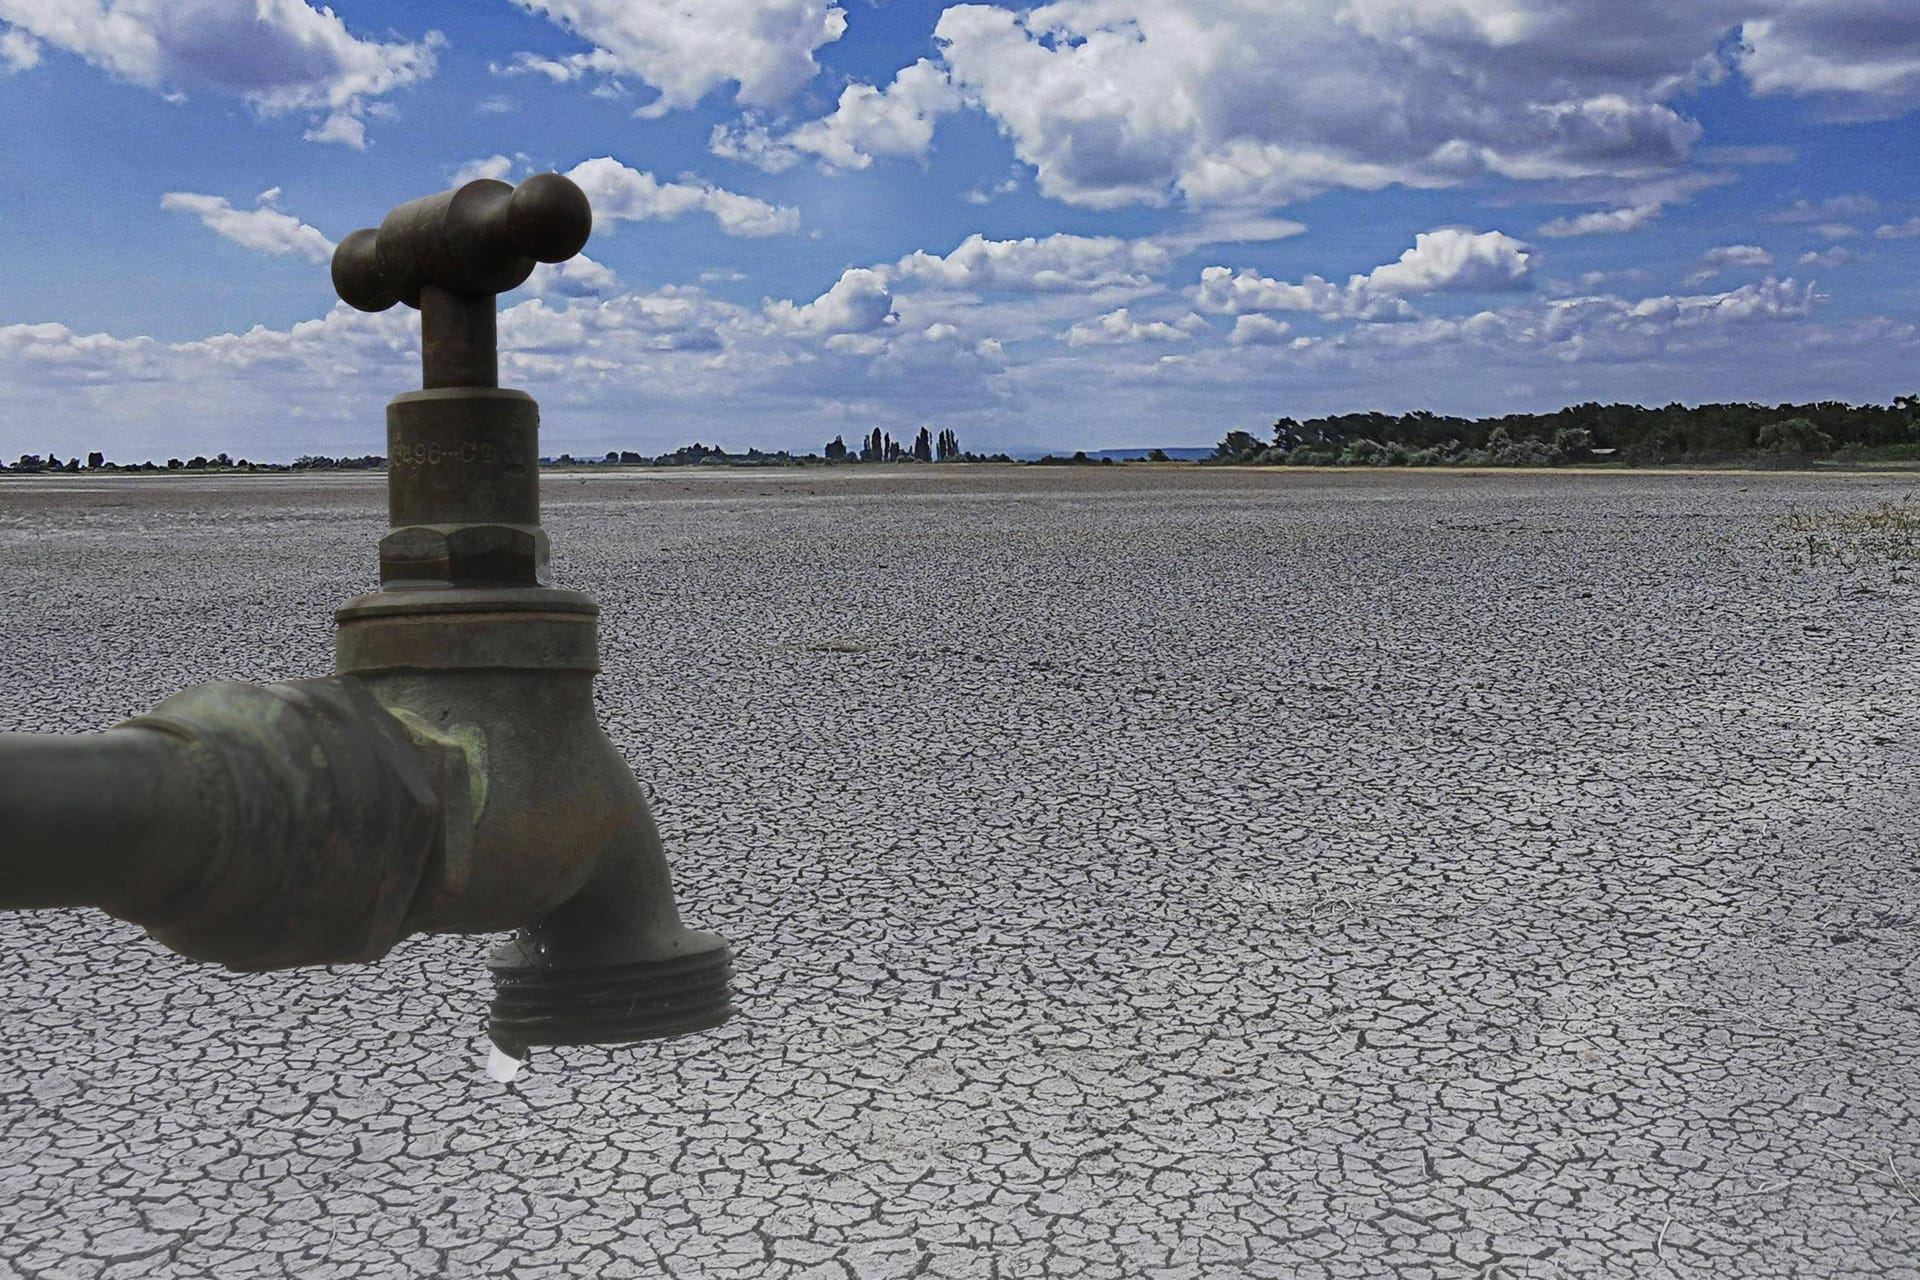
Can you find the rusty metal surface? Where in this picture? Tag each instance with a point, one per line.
(260, 827)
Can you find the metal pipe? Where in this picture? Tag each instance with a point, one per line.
(116, 819)
(459, 339)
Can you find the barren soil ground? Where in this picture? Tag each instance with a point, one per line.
(1134, 872)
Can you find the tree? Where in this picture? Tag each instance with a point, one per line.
(1362, 452)
(1794, 437)
(95, 461)
(923, 446)
(1239, 446)
(836, 450)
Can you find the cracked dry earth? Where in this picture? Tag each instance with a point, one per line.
(1136, 872)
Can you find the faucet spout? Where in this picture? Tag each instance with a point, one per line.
(613, 963)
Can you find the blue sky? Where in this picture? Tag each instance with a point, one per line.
(1083, 224)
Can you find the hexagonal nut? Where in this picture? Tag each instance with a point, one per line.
(466, 555)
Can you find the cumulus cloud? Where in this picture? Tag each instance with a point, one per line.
(577, 277)
(340, 127)
(1766, 299)
(1899, 230)
(858, 303)
(1267, 101)
(685, 52)
(1259, 331)
(622, 193)
(1119, 328)
(264, 229)
(280, 56)
(868, 123)
(1448, 260)
(1457, 261)
(1834, 257)
(1056, 262)
(1726, 256)
(496, 167)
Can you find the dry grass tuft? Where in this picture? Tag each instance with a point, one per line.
(1886, 533)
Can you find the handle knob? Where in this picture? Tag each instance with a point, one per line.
(476, 240)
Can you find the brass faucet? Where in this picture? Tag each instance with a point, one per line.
(451, 776)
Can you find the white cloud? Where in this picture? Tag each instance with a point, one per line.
(1259, 331)
(1266, 101)
(1899, 230)
(621, 193)
(1448, 260)
(1223, 291)
(987, 195)
(1056, 262)
(685, 51)
(279, 55)
(1728, 256)
(1233, 226)
(577, 277)
(1861, 56)
(1832, 209)
(1456, 261)
(1119, 328)
(707, 367)
(868, 123)
(858, 303)
(264, 229)
(560, 70)
(18, 51)
(1767, 299)
(1834, 257)
(1609, 330)
(1629, 204)
(1601, 222)
(496, 167)
(342, 128)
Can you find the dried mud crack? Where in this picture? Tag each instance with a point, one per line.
(1137, 872)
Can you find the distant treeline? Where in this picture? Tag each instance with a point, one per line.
(1629, 434)
(878, 447)
(33, 463)
(1786, 435)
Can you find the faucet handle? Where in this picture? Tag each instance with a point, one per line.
(476, 240)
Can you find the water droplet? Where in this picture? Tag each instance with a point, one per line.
(502, 1067)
